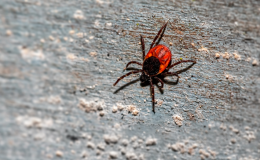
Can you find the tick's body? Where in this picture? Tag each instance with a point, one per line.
(162, 54)
(156, 62)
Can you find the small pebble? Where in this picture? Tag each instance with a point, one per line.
(110, 139)
(217, 55)
(59, 153)
(113, 154)
(120, 107)
(255, 62)
(101, 146)
(150, 142)
(9, 32)
(102, 113)
(177, 119)
(131, 156)
(135, 112)
(91, 145)
(237, 56)
(124, 142)
(114, 109)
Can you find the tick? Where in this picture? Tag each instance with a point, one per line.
(156, 63)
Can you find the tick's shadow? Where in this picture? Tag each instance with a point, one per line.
(155, 82)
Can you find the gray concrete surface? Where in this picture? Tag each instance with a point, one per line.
(59, 60)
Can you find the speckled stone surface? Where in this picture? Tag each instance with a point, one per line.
(59, 59)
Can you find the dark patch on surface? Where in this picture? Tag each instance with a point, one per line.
(72, 138)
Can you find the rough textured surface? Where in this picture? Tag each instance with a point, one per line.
(59, 60)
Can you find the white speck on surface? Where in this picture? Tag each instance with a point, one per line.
(87, 106)
(226, 55)
(30, 54)
(151, 141)
(134, 138)
(177, 119)
(84, 154)
(59, 153)
(91, 145)
(132, 109)
(131, 156)
(113, 154)
(51, 38)
(80, 35)
(109, 24)
(99, 106)
(39, 136)
(217, 55)
(114, 109)
(42, 40)
(141, 157)
(248, 59)
(110, 139)
(135, 112)
(203, 49)
(122, 150)
(65, 38)
(102, 113)
(78, 14)
(93, 54)
(101, 146)
(204, 153)
(159, 102)
(233, 129)
(237, 56)
(233, 140)
(72, 57)
(177, 146)
(124, 142)
(255, 62)
(34, 122)
(229, 77)
(71, 32)
(117, 125)
(223, 127)
(120, 106)
(9, 32)
(249, 135)
(213, 153)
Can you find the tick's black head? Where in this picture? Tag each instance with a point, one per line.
(144, 78)
(151, 66)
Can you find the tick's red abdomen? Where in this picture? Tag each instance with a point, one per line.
(164, 55)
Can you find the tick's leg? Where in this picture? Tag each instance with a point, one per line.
(161, 86)
(184, 61)
(155, 38)
(170, 74)
(126, 76)
(152, 90)
(140, 64)
(160, 36)
(143, 46)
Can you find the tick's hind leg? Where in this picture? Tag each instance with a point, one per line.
(131, 62)
(159, 33)
(126, 76)
(170, 74)
(143, 46)
(161, 86)
(152, 91)
(184, 61)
